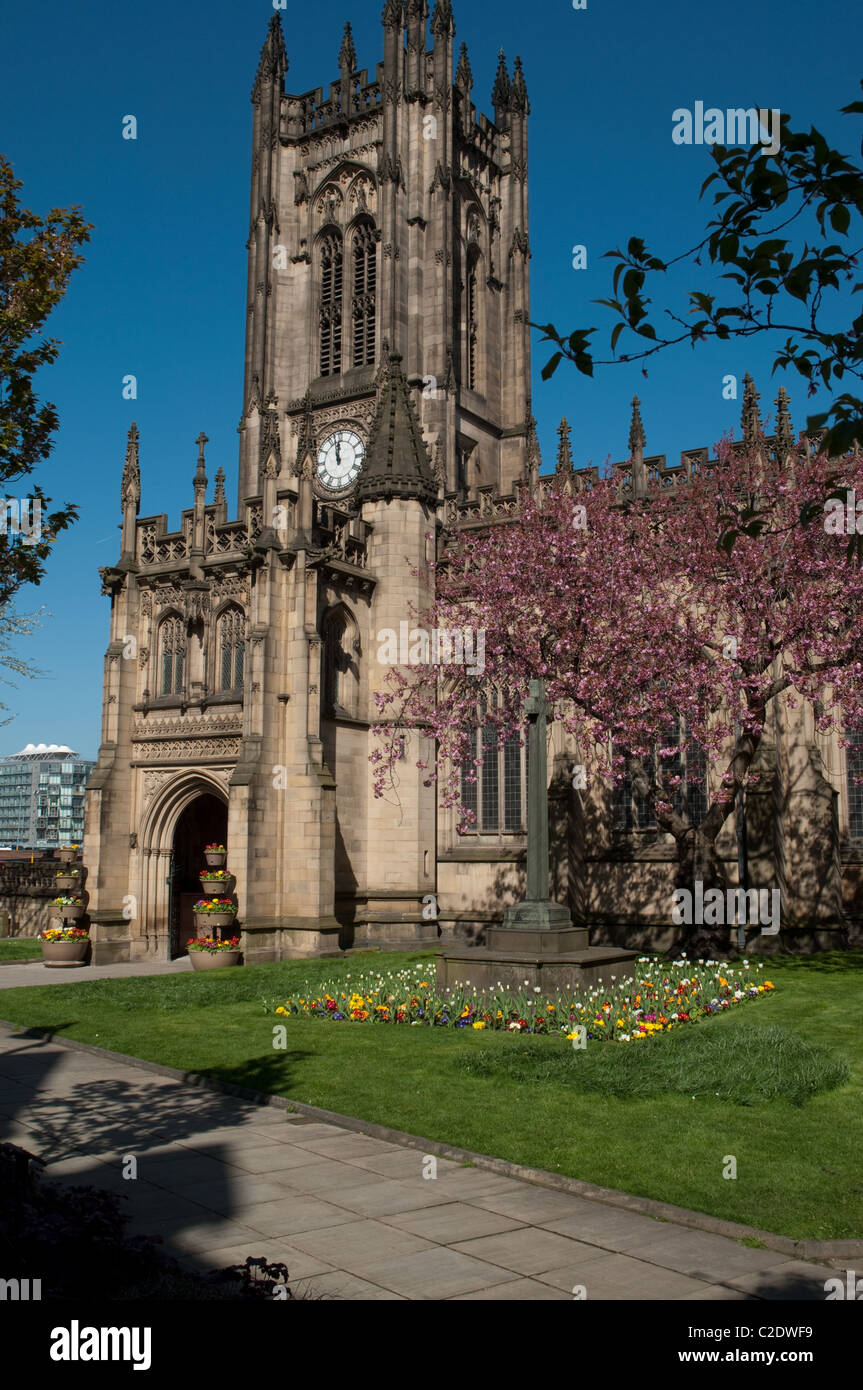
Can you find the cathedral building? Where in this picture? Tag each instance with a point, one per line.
(386, 396)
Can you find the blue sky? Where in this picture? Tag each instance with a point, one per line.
(162, 293)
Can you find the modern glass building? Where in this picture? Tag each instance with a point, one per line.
(42, 797)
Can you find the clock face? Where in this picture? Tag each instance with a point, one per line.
(340, 459)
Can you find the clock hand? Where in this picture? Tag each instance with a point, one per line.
(338, 455)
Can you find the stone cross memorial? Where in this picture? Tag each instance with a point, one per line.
(537, 942)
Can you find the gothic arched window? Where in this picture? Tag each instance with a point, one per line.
(331, 304)
(231, 647)
(363, 305)
(341, 674)
(854, 770)
(494, 780)
(172, 654)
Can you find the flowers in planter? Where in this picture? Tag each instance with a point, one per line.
(64, 934)
(63, 901)
(656, 998)
(221, 874)
(212, 943)
(215, 905)
(68, 871)
(215, 849)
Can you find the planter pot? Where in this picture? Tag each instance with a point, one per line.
(69, 912)
(66, 881)
(67, 856)
(216, 887)
(214, 960)
(65, 954)
(205, 921)
(215, 858)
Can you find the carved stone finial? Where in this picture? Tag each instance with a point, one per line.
(564, 453)
(636, 428)
(518, 101)
(500, 92)
(750, 418)
(130, 487)
(273, 62)
(393, 14)
(784, 430)
(347, 52)
(219, 497)
(442, 23)
(199, 471)
(463, 74)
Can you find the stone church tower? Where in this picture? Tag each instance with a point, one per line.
(387, 370)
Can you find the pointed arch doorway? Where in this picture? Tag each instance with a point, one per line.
(203, 821)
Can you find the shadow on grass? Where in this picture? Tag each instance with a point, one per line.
(824, 963)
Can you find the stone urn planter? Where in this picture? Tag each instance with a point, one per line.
(216, 887)
(207, 922)
(215, 858)
(213, 960)
(65, 954)
(67, 856)
(70, 911)
(65, 881)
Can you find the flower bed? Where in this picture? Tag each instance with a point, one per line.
(216, 905)
(658, 997)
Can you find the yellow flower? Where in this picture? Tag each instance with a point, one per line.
(479, 1025)
(280, 1010)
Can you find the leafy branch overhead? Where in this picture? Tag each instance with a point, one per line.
(781, 238)
(37, 258)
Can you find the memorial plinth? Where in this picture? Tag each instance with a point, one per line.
(537, 943)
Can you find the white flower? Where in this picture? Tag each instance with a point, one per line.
(537, 990)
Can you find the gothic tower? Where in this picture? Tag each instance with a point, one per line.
(388, 214)
(386, 371)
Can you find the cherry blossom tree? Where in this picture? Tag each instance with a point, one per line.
(637, 617)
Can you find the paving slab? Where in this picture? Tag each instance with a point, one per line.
(516, 1291)
(620, 1277)
(453, 1222)
(437, 1273)
(361, 1244)
(526, 1251)
(293, 1213)
(705, 1256)
(388, 1198)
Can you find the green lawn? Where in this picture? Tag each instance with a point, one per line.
(20, 948)
(798, 1164)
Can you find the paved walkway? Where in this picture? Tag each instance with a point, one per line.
(35, 973)
(352, 1217)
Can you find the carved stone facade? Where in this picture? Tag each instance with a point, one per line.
(388, 332)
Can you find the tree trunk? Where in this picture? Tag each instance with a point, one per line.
(697, 861)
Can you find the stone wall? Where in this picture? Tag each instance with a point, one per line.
(26, 893)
